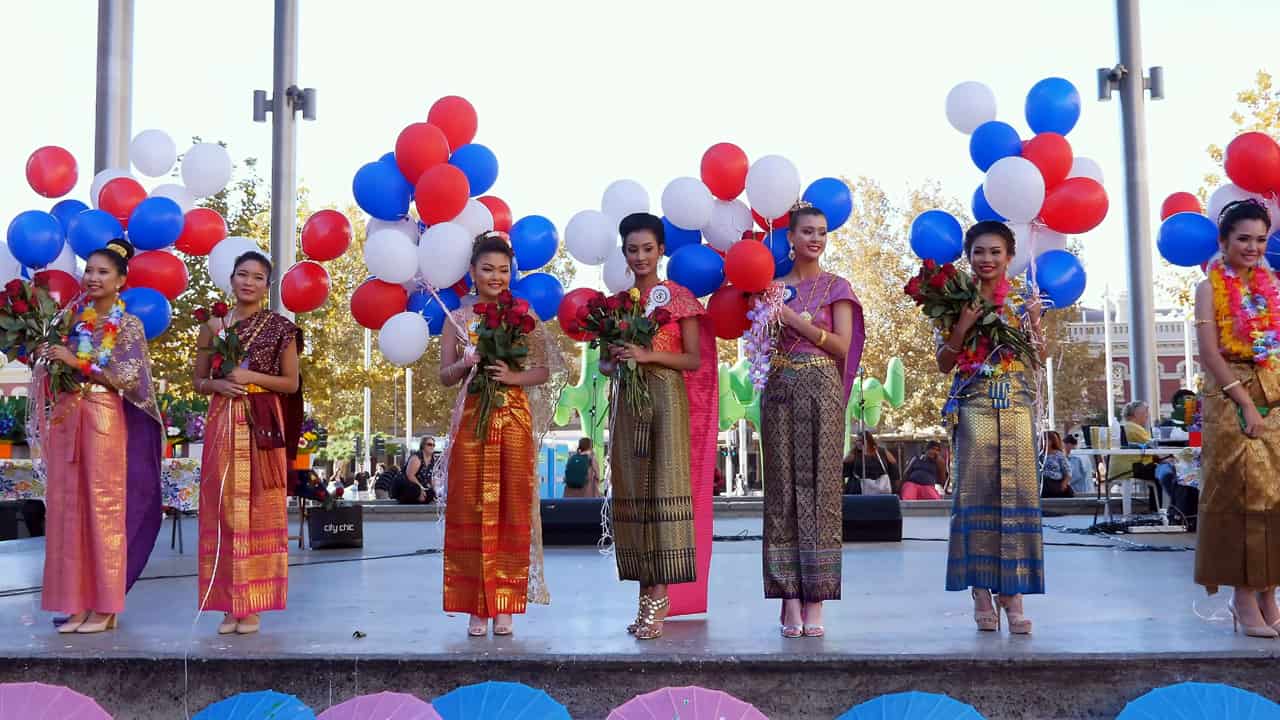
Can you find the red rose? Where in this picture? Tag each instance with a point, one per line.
(481, 308)
(492, 322)
(930, 264)
(220, 309)
(950, 270)
(201, 315)
(505, 297)
(526, 324)
(215, 364)
(521, 306)
(623, 325)
(338, 491)
(938, 281)
(628, 303)
(913, 289)
(512, 317)
(662, 316)
(13, 288)
(612, 304)
(20, 306)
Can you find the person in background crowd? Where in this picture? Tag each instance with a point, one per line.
(382, 482)
(867, 461)
(1055, 476)
(1081, 475)
(925, 474)
(415, 487)
(582, 472)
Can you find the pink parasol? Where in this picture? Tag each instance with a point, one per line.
(382, 706)
(22, 701)
(686, 703)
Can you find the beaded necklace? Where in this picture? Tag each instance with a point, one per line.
(806, 313)
(87, 360)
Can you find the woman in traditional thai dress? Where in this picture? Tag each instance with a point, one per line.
(996, 544)
(802, 431)
(1238, 329)
(102, 450)
(493, 528)
(253, 423)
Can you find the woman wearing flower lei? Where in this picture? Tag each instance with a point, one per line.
(1238, 330)
(103, 495)
(996, 545)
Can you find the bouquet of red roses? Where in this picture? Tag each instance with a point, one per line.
(29, 317)
(498, 333)
(619, 320)
(228, 352)
(942, 292)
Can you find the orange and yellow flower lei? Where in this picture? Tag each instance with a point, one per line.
(87, 360)
(1249, 327)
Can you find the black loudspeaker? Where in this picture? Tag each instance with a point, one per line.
(872, 518)
(571, 521)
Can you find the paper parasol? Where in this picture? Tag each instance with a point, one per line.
(686, 703)
(22, 701)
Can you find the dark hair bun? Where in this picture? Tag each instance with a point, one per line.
(636, 222)
(122, 247)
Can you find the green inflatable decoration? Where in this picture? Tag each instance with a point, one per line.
(738, 399)
(589, 399)
(866, 401)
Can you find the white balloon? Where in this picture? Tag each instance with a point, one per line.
(475, 217)
(1043, 240)
(391, 256)
(444, 254)
(206, 169)
(1086, 167)
(405, 226)
(773, 186)
(590, 236)
(101, 179)
(970, 104)
(1014, 188)
(617, 275)
(222, 259)
(153, 152)
(622, 198)
(404, 338)
(176, 193)
(1018, 264)
(66, 261)
(1224, 196)
(687, 203)
(729, 219)
(10, 268)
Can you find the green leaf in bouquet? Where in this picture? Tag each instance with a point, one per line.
(631, 363)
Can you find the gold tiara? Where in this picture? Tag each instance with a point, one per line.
(801, 205)
(494, 234)
(118, 249)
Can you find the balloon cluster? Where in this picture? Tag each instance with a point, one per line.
(734, 260)
(48, 243)
(419, 265)
(326, 235)
(1189, 236)
(1038, 186)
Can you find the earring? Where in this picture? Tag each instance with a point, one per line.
(791, 254)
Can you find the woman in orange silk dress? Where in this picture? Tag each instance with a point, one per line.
(253, 423)
(103, 495)
(493, 529)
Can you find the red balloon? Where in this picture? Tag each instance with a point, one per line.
(51, 171)
(1180, 202)
(120, 196)
(461, 287)
(727, 310)
(749, 266)
(441, 194)
(1252, 162)
(456, 117)
(63, 287)
(325, 236)
(305, 287)
(419, 147)
(159, 270)
(778, 223)
(724, 170)
(374, 302)
(1051, 153)
(500, 210)
(567, 314)
(202, 228)
(1077, 205)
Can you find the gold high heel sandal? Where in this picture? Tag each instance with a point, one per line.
(1019, 624)
(73, 623)
(1258, 631)
(986, 620)
(106, 622)
(640, 611)
(652, 627)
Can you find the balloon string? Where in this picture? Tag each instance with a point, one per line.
(463, 334)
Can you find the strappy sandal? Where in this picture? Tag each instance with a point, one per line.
(640, 611)
(651, 629)
(474, 630)
(502, 630)
(790, 632)
(1019, 624)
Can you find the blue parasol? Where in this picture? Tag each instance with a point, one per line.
(262, 705)
(1193, 700)
(911, 706)
(498, 701)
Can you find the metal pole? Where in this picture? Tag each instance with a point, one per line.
(744, 439)
(1109, 359)
(408, 412)
(368, 402)
(1132, 87)
(284, 136)
(1188, 368)
(114, 100)
(1049, 382)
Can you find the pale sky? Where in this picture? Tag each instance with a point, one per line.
(572, 95)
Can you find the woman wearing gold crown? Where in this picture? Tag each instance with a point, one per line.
(103, 495)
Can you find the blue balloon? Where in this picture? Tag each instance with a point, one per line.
(35, 238)
(677, 237)
(382, 191)
(1273, 249)
(542, 291)
(64, 210)
(1053, 105)
(778, 243)
(698, 268)
(155, 223)
(534, 240)
(92, 230)
(389, 158)
(1060, 277)
(831, 196)
(149, 306)
(982, 210)
(425, 304)
(937, 236)
(479, 164)
(1188, 239)
(991, 141)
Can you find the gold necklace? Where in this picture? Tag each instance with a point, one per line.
(805, 314)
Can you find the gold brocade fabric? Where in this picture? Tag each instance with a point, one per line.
(487, 518)
(652, 509)
(1238, 535)
(85, 541)
(996, 538)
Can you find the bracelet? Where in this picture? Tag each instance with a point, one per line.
(822, 338)
(1228, 386)
(945, 347)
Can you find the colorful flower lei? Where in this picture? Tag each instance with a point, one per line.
(1243, 306)
(86, 325)
(979, 360)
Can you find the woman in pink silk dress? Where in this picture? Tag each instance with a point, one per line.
(103, 495)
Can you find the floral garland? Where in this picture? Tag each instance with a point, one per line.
(980, 359)
(87, 361)
(1248, 327)
(759, 339)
